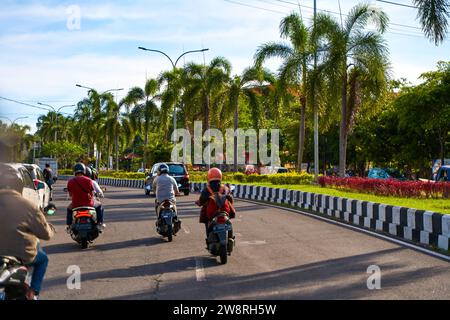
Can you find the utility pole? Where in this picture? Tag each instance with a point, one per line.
(316, 111)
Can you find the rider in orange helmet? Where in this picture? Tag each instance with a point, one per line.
(215, 197)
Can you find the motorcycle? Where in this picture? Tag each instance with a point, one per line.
(15, 276)
(167, 223)
(14, 279)
(84, 228)
(220, 240)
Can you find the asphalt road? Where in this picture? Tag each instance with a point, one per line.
(278, 255)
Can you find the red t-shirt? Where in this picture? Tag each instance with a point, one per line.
(81, 197)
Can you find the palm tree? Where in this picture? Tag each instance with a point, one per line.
(295, 70)
(207, 80)
(89, 120)
(357, 60)
(433, 15)
(144, 114)
(241, 90)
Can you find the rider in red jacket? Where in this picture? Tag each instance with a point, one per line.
(215, 198)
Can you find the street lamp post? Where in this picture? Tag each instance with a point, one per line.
(20, 142)
(117, 140)
(56, 111)
(12, 122)
(174, 65)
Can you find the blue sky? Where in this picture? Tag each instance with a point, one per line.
(43, 53)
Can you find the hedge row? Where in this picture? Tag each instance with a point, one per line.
(278, 179)
(389, 187)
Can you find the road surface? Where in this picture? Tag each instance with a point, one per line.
(278, 255)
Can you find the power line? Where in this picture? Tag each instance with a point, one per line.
(25, 104)
(30, 105)
(416, 35)
(255, 7)
(397, 4)
(337, 13)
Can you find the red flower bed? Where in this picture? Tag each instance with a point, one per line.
(390, 187)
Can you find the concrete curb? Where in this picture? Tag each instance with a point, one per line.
(424, 227)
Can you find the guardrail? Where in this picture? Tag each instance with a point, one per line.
(424, 227)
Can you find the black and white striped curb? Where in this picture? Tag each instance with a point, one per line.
(425, 227)
(126, 183)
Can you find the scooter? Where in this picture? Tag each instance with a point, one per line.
(220, 239)
(167, 223)
(15, 276)
(84, 228)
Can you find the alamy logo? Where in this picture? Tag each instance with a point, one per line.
(74, 280)
(74, 17)
(252, 146)
(374, 281)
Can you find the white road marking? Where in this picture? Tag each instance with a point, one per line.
(199, 271)
(253, 242)
(186, 230)
(378, 235)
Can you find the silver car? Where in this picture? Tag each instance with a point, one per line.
(30, 190)
(39, 181)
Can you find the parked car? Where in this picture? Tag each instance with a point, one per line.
(272, 170)
(176, 170)
(38, 176)
(30, 190)
(385, 173)
(443, 174)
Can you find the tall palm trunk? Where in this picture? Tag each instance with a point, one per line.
(301, 133)
(206, 123)
(117, 149)
(343, 127)
(235, 146)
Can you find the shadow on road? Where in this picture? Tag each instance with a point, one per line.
(73, 246)
(343, 278)
(176, 265)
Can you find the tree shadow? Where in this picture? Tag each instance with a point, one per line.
(342, 278)
(170, 266)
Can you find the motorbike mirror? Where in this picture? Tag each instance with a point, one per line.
(50, 209)
(65, 189)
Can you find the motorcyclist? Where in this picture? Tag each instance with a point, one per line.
(22, 224)
(214, 198)
(166, 188)
(81, 190)
(48, 176)
(98, 193)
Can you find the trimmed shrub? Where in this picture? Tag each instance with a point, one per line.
(389, 187)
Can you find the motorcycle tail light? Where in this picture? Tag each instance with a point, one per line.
(221, 220)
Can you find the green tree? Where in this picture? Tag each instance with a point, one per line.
(295, 71)
(357, 61)
(433, 15)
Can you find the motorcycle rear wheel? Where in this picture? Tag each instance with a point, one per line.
(223, 254)
(84, 244)
(169, 233)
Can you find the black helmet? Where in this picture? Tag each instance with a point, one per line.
(163, 168)
(79, 168)
(88, 172)
(10, 178)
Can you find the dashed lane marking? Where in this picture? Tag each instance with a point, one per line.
(199, 271)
